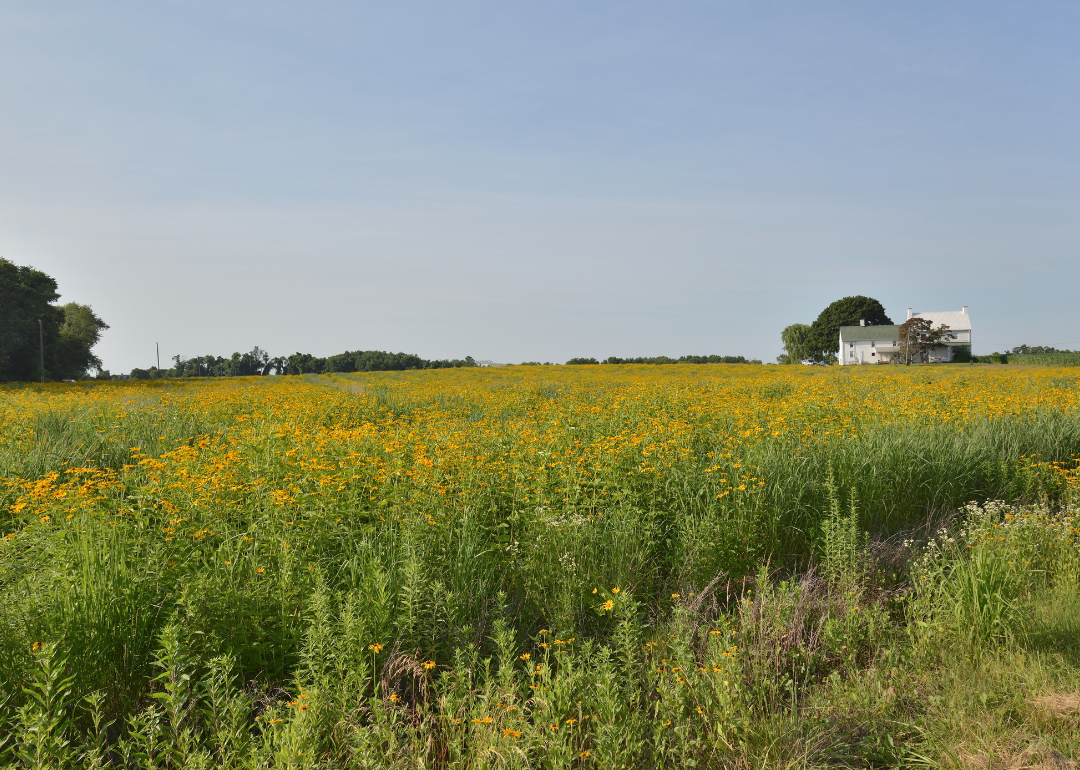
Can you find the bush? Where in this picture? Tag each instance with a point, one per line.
(962, 354)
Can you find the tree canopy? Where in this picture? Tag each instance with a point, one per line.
(824, 337)
(1036, 350)
(69, 332)
(795, 338)
(81, 330)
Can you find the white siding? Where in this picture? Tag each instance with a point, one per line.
(862, 351)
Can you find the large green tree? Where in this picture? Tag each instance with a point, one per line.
(73, 353)
(28, 296)
(795, 338)
(824, 337)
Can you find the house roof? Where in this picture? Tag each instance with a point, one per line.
(863, 333)
(956, 320)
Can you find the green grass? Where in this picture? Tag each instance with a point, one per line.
(797, 627)
(971, 656)
(1046, 359)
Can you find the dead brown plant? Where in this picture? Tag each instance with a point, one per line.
(1034, 757)
(403, 675)
(1058, 705)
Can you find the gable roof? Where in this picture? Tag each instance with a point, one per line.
(956, 320)
(863, 333)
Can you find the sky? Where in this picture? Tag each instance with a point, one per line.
(537, 181)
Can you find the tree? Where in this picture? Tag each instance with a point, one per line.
(277, 364)
(795, 338)
(304, 363)
(73, 355)
(247, 364)
(917, 338)
(27, 297)
(824, 336)
(1025, 350)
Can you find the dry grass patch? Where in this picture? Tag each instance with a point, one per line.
(1060, 706)
(1035, 757)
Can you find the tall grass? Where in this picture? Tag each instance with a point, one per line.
(1046, 359)
(520, 571)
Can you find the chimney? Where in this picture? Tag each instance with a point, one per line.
(909, 314)
(862, 322)
(964, 310)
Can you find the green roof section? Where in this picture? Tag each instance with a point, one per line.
(875, 333)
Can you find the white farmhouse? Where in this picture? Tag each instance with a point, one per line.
(878, 344)
(867, 344)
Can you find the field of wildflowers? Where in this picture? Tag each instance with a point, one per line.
(595, 566)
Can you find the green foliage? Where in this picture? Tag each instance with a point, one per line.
(791, 671)
(80, 332)
(962, 354)
(1058, 358)
(983, 592)
(26, 295)
(67, 333)
(259, 362)
(46, 719)
(842, 542)
(373, 640)
(795, 338)
(1037, 350)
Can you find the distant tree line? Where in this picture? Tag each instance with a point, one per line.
(1036, 350)
(259, 362)
(665, 360)
(38, 338)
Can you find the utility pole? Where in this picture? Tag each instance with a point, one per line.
(157, 347)
(41, 342)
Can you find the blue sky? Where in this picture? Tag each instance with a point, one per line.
(535, 181)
